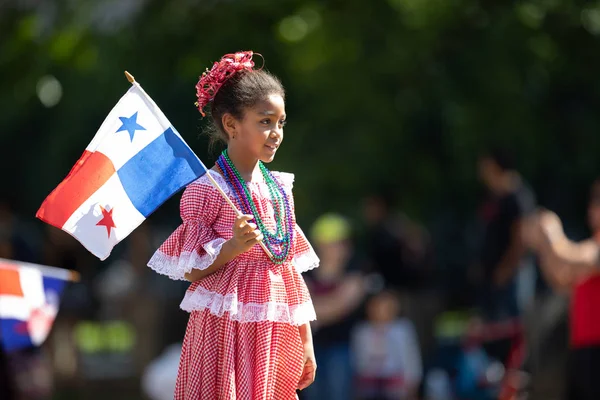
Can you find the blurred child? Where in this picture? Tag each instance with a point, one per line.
(387, 358)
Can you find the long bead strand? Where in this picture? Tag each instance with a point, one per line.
(278, 242)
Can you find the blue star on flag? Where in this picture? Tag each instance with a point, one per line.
(130, 125)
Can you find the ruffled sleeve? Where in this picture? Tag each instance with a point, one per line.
(305, 257)
(194, 244)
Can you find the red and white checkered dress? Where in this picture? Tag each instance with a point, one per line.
(242, 341)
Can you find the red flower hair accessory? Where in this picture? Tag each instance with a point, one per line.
(211, 81)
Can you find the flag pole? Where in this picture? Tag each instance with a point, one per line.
(131, 80)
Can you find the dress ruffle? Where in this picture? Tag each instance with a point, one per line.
(305, 257)
(249, 288)
(175, 267)
(219, 304)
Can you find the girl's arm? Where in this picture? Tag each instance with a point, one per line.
(306, 335)
(245, 235)
(310, 363)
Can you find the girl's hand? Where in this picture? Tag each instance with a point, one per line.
(244, 237)
(310, 368)
(245, 234)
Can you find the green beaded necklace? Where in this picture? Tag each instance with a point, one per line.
(278, 242)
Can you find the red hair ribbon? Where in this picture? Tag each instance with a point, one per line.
(211, 81)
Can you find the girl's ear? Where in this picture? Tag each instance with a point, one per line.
(230, 124)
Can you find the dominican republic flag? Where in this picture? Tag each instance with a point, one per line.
(136, 161)
(29, 300)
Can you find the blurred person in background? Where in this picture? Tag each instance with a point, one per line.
(397, 246)
(386, 353)
(503, 256)
(338, 292)
(574, 268)
(400, 250)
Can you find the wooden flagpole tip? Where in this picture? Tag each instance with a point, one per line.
(74, 276)
(129, 77)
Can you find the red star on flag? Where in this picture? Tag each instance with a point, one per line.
(106, 220)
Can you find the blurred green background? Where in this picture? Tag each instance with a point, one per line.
(399, 92)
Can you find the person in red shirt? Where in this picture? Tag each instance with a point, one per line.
(574, 268)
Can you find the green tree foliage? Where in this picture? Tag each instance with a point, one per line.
(402, 93)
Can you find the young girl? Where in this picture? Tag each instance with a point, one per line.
(248, 336)
(386, 353)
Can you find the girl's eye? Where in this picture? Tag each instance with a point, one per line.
(283, 122)
(265, 121)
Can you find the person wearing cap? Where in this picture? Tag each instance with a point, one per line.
(337, 291)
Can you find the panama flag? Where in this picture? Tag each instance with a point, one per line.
(29, 300)
(136, 161)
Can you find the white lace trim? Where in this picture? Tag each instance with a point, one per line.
(219, 304)
(203, 180)
(175, 267)
(305, 261)
(285, 178)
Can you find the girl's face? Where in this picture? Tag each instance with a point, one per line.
(383, 308)
(260, 132)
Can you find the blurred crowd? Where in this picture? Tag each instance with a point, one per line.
(391, 324)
